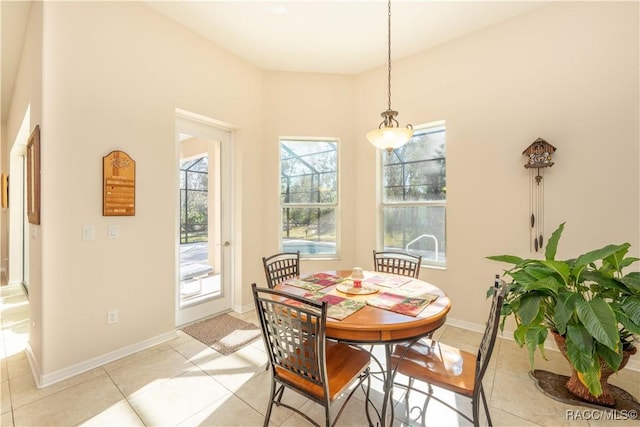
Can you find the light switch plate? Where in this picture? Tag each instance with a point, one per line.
(114, 231)
(88, 232)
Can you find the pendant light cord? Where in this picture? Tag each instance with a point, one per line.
(389, 56)
(389, 135)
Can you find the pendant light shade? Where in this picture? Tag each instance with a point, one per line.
(389, 134)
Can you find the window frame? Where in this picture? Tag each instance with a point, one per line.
(436, 126)
(333, 205)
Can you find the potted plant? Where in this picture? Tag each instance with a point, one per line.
(590, 305)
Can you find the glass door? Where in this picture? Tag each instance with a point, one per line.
(202, 285)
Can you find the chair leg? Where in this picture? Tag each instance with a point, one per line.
(367, 400)
(364, 375)
(424, 410)
(486, 406)
(475, 411)
(407, 405)
(327, 415)
(271, 401)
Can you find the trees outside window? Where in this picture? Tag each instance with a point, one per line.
(414, 197)
(309, 196)
(194, 200)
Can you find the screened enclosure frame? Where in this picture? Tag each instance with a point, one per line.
(413, 198)
(192, 231)
(309, 193)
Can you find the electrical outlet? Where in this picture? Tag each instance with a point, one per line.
(112, 316)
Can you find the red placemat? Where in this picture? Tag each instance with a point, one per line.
(403, 304)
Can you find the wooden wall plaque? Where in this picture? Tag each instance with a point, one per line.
(119, 176)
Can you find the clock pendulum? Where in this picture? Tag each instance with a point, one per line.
(538, 158)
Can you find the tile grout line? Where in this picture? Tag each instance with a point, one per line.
(126, 399)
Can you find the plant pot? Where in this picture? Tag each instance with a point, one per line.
(575, 386)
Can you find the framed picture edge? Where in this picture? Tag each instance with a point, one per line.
(33, 176)
(5, 191)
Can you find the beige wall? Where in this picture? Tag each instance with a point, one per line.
(566, 72)
(110, 88)
(309, 105)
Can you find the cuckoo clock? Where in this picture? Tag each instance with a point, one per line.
(538, 158)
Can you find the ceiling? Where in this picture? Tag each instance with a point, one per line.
(326, 36)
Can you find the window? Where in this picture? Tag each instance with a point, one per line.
(414, 196)
(194, 176)
(309, 196)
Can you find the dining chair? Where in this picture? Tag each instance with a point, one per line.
(397, 263)
(300, 356)
(450, 368)
(280, 267)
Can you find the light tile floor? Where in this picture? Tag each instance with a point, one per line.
(185, 383)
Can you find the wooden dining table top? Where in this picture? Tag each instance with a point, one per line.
(371, 325)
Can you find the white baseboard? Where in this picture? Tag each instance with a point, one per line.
(244, 308)
(44, 380)
(462, 324)
(550, 344)
(33, 364)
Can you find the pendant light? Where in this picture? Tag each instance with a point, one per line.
(389, 134)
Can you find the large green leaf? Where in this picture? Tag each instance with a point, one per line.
(599, 320)
(549, 285)
(580, 352)
(519, 334)
(580, 347)
(632, 281)
(509, 259)
(560, 267)
(628, 261)
(617, 257)
(599, 254)
(577, 335)
(612, 358)
(538, 270)
(604, 284)
(625, 321)
(535, 337)
(552, 243)
(631, 307)
(591, 378)
(564, 309)
(529, 308)
(522, 277)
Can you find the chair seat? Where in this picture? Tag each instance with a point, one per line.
(344, 363)
(438, 364)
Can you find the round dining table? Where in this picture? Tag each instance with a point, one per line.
(374, 325)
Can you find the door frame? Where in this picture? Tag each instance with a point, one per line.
(212, 130)
(19, 230)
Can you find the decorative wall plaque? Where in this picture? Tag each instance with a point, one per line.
(538, 158)
(119, 176)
